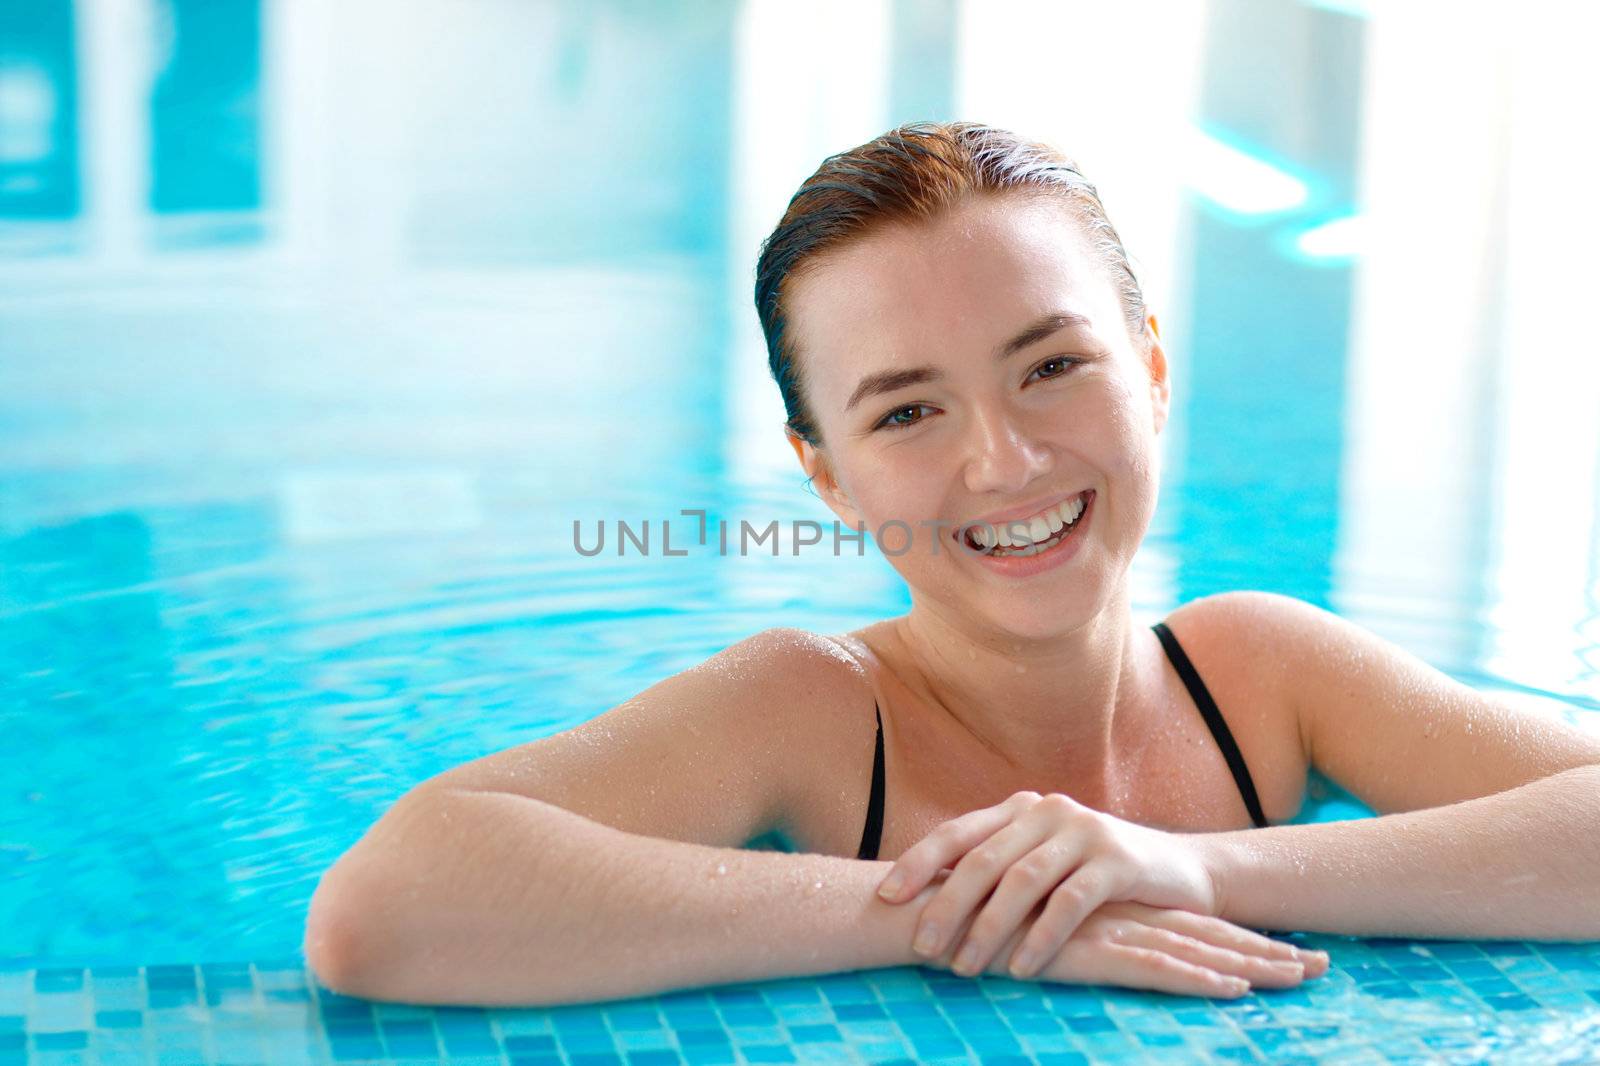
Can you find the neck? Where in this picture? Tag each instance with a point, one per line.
(1049, 708)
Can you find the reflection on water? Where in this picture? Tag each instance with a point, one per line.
(352, 316)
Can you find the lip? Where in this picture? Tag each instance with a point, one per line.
(1028, 565)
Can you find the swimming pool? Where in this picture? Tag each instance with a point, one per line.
(289, 465)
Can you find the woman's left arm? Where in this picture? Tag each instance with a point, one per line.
(1522, 864)
(1489, 817)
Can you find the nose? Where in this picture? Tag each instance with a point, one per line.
(1004, 458)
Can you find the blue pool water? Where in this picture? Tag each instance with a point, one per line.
(298, 407)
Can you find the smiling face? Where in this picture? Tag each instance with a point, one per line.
(980, 367)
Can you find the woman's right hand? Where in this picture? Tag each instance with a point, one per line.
(1165, 950)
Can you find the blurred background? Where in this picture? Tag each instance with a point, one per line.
(322, 322)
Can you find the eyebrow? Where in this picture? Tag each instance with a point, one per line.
(890, 380)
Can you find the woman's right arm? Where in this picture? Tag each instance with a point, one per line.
(606, 861)
(492, 898)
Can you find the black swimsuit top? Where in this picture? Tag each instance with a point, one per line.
(872, 834)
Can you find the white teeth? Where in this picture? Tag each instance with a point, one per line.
(1023, 537)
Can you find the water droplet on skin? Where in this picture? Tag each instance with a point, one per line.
(815, 887)
(722, 868)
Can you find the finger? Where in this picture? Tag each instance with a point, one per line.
(1023, 884)
(1260, 972)
(944, 847)
(976, 876)
(1134, 967)
(1225, 934)
(1072, 901)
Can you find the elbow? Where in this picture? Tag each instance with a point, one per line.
(335, 946)
(375, 928)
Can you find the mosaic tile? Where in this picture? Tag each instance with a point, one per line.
(1391, 1002)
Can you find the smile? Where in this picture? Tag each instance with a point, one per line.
(1028, 536)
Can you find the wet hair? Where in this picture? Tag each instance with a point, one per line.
(915, 173)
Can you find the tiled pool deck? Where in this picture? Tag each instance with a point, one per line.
(1383, 1001)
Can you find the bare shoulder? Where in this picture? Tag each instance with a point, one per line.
(1396, 731)
(719, 753)
(814, 695)
(830, 684)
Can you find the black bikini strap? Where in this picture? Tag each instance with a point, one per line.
(872, 833)
(1214, 720)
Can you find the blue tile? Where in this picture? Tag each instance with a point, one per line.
(536, 1060)
(522, 1045)
(1510, 1001)
(759, 1014)
(709, 1054)
(933, 1045)
(1491, 986)
(767, 1053)
(169, 977)
(1366, 974)
(355, 1047)
(1089, 1023)
(11, 1023)
(702, 1037)
(118, 1019)
(1392, 990)
(410, 1039)
(163, 998)
(58, 980)
(65, 1041)
(812, 1034)
(857, 1012)
(654, 1057)
(461, 1041)
(595, 1059)
(13, 1041)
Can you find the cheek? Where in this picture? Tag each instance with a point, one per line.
(885, 489)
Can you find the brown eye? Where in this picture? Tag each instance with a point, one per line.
(897, 419)
(1061, 363)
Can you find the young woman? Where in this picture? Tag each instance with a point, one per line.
(966, 358)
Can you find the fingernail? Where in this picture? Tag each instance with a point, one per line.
(891, 887)
(927, 936)
(1237, 985)
(1022, 964)
(968, 959)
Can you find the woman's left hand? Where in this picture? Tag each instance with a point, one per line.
(1032, 846)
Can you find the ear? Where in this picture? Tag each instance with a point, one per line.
(1160, 381)
(820, 473)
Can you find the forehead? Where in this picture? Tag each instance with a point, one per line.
(949, 289)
